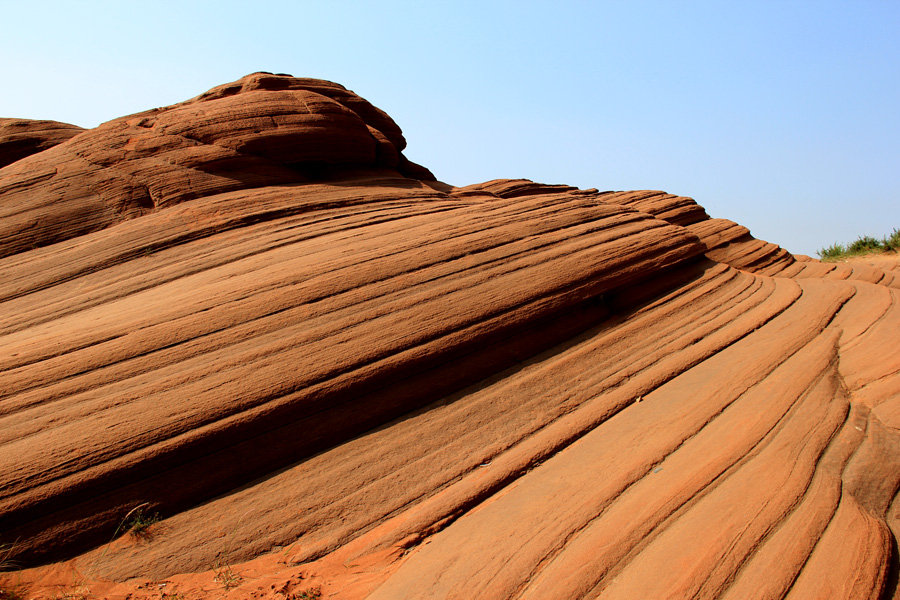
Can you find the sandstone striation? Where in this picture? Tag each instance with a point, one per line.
(23, 137)
(251, 314)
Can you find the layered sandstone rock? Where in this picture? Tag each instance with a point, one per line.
(262, 130)
(23, 137)
(250, 313)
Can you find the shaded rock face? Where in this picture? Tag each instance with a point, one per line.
(250, 313)
(23, 137)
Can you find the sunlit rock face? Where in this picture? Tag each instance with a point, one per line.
(251, 314)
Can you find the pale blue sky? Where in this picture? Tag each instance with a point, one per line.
(782, 116)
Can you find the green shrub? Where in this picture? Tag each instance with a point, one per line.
(139, 523)
(892, 242)
(864, 243)
(833, 251)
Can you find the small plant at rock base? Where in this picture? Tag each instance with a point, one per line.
(313, 593)
(77, 590)
(6, 553)
(226, 576)
(9, 590)
(78, 593)
(139, 523)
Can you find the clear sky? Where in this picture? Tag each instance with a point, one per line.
(783, 116)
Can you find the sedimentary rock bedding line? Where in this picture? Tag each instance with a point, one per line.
(251, 313)
(652, 455)
(268, 130)
(350, 311)
(460, 435)
(23, 137)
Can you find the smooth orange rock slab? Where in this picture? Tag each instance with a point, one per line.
(332, 375)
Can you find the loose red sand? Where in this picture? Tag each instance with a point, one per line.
(331, 374)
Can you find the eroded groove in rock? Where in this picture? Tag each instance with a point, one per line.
(566, 262)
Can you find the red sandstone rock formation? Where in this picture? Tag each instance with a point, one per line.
(23, 137)
(323, 368)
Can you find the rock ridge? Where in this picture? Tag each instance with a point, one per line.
(250, 313)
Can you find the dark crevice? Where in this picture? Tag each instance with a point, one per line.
(892, 578)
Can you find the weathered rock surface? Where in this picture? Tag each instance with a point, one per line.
(250, 313)
(262, 130)
(23, 137)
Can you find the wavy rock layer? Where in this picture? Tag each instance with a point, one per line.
(264, 129)
(250, 313)
(23, 137)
